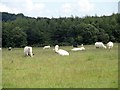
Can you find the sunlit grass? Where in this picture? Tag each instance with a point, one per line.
(93, 68)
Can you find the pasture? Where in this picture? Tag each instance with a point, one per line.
(93, 68)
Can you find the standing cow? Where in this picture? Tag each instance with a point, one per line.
(28, 51)
(110, 45)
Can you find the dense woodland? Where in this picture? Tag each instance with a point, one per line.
(19, 30)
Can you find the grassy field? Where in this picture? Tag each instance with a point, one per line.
(93, 68)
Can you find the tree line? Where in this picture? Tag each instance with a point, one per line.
(19, 30)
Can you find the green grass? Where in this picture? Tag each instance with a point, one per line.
(93, 68)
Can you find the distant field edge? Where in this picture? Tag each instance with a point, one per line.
(60, 89)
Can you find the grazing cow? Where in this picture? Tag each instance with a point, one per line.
(110, 45)
(100, 45)
(28, 51)
(46, 47)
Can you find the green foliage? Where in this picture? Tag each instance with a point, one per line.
(62, 30)
(14, 38)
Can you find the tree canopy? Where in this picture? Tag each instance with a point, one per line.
(19, 30)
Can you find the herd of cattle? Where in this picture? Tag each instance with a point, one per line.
(28, 49)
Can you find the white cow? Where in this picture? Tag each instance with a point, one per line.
(83, 48)
(0, 48)
(76, 49)
(110, 45)
(100, 45)
(28, 51)
(61, 51)
(46, 47)
(79, 49)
